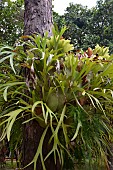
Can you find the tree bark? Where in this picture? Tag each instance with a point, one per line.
(32, 134)
(37, 19)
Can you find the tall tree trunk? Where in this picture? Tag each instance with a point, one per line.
(38, 19)
(38, 16)
(32, 134)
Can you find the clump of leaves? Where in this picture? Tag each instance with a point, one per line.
(67, 92)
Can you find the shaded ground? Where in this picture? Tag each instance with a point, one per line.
(8, 165)
(6, 168)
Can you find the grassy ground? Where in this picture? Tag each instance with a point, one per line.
(8, 165)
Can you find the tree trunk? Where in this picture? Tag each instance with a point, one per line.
(32, 134)
(37, 19)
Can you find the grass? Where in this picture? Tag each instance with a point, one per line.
(8, 165)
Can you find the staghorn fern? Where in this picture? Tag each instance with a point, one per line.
(67, 92)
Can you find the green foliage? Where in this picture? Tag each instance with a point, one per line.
(102, 22)
(11, 21)
(69, 93)
(88, 27)
(77, 19)
(58, 20)
(57, 42)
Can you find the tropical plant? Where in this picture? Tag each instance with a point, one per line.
(65, 92)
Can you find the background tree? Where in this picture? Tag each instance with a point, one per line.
(102, 23)
(11, 21)
(88, 27)
(77, 19)
(58, 20)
